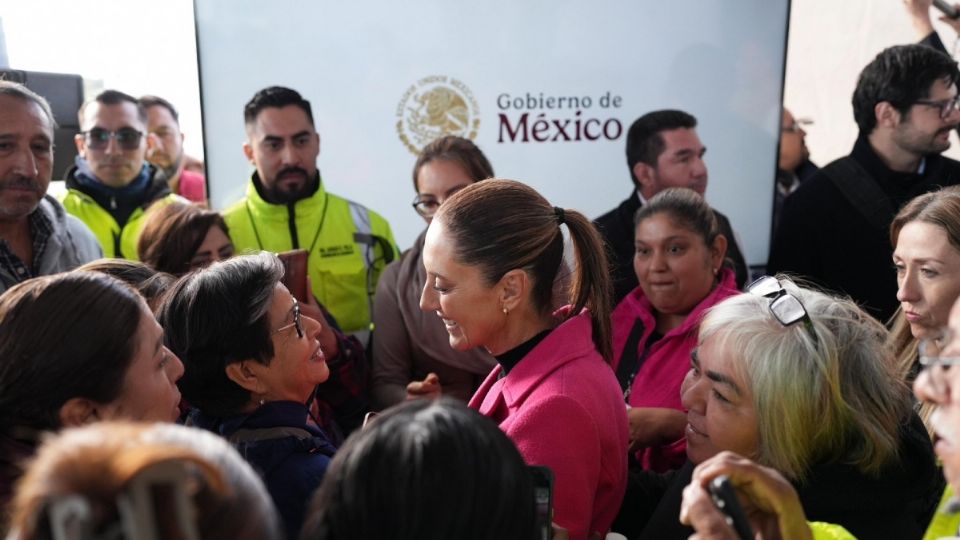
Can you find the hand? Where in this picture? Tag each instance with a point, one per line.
(328, 337)
(769, 501)
(919, 12)
(429, 387)
(651, 426)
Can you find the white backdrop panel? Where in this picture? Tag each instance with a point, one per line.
(721, 60)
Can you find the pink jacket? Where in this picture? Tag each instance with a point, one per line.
(193, 187)
(657, 384)
(562, 407)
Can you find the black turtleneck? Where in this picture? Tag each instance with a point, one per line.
(513, 357)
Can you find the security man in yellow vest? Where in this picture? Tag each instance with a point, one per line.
(287, 207)
(111, 185)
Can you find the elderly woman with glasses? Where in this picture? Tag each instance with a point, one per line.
(411, 356)
(800, 382)
(253, 363)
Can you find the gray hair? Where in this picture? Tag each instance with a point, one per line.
(19, 91)
(822, 391)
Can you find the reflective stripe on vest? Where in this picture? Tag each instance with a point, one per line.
(362, 234)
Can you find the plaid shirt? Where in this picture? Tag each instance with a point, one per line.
(40, 231)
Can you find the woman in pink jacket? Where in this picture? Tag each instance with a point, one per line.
(679, 262)
(493, 255)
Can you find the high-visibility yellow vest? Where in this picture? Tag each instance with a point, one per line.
(945, 522)
(829, 531)
(348, 246)
(116, 241)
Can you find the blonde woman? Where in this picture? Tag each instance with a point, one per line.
(926, 253)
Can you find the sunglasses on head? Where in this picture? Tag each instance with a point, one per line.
(785, 307)
(127, 138)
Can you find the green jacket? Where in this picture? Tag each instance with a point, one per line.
(116, 241)
(945, 523)
(348, 246)
(829, 531)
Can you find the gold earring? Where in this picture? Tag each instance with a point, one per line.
(505, 311)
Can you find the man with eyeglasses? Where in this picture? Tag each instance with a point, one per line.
(37, 236)
(287, 206)
(835, 228)
(111, 185)
(793, 161)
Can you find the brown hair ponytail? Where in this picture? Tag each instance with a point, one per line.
(500, 225)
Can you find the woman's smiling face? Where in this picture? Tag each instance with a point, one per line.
(298, 364)
(459, 294)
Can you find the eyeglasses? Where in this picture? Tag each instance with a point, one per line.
(428, 205)
(425, 207)
(786, 308)
(297, 321)
(946, 106)
(99, 138)
(931, 349)
(797, 126)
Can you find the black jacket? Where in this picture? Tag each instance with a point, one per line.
(824, 237)
(617, 229)
(287, 449)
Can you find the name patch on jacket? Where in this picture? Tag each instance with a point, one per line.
(335, 251)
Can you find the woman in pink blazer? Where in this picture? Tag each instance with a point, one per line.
(494, 255)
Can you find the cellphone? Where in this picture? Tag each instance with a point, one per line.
(543, 497)
(725, 499)
(295, 273)
(947, 9)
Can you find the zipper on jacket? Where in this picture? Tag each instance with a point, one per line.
(292, 223)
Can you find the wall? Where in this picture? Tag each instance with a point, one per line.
(830, 43)
(364, 66)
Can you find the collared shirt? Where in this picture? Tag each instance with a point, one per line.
(40, 231)
(641, 198)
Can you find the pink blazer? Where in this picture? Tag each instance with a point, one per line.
(657, 384)
(562, 407)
